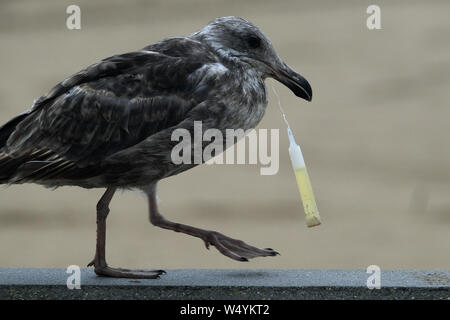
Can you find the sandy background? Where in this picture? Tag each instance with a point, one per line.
(376, 138)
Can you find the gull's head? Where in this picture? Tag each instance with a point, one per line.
(239, 40)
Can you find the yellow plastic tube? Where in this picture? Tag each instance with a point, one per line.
(303, 182)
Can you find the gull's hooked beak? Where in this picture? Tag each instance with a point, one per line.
(291, 79)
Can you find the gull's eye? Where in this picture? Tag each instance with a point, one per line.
(253, 42)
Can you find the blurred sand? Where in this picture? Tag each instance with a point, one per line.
(376, 138)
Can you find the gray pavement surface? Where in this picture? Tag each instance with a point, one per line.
(26, 283)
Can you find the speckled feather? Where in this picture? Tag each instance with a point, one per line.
(111, 123)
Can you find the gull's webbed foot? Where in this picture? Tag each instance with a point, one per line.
(235, 249)
(107, 271)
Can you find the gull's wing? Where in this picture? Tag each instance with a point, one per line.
(108, 107)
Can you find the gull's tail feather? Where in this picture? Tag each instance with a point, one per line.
(9, 127)
(9, 165)
(26, 167)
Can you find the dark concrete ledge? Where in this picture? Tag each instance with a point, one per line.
(228, 284)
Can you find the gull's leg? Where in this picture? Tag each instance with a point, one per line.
(99, 262)
(232, 248)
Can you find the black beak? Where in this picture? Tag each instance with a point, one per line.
(291, 79)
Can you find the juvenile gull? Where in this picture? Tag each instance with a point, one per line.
(110, 125)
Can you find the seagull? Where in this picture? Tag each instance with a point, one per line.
(109, 126)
